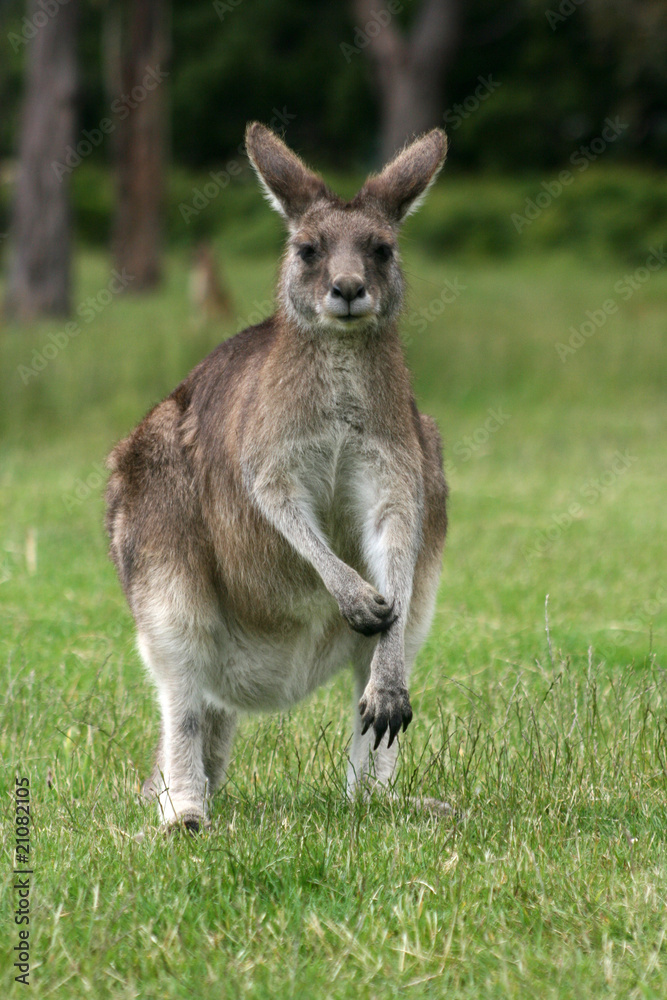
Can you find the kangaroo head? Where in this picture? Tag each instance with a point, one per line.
(341, 267)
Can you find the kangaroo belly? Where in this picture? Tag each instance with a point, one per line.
(268, 672)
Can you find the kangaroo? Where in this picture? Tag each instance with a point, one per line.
(282, 513)
(208, 295)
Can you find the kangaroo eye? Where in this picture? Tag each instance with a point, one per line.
(307, 252)
(383, 251)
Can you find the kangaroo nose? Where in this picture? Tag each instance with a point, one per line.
(348, 287)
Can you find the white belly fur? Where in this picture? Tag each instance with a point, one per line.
(256, 674)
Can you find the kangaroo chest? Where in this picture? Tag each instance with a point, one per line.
(333, 472)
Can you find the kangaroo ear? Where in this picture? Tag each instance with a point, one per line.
(289, 185)
(401, 187)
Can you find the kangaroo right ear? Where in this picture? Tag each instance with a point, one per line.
(289, 185)
(401, 187)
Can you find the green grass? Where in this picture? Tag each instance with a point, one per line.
(552, 881)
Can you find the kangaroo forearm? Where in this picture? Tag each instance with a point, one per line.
(388, 663)
(298, 527)
(392, 552)
(363, 608)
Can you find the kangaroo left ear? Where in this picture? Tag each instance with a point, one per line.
(403, 184)
(289, 185)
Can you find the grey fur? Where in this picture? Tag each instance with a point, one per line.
(282, 513)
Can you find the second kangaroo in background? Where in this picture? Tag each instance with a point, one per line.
(281, 514)
(208, 294)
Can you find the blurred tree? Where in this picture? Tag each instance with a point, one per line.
(39, 271)
(631, 36)
(409, 70)
(278, 61)
(138, 74)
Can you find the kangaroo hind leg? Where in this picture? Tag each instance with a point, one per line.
(179, 643)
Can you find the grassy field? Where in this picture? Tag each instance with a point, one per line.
(551, 881)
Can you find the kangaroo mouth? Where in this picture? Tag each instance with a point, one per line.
(350, 317)
(336, 318)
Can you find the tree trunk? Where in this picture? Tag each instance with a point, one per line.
(141, 142)
(409, 71)
(39, 280)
